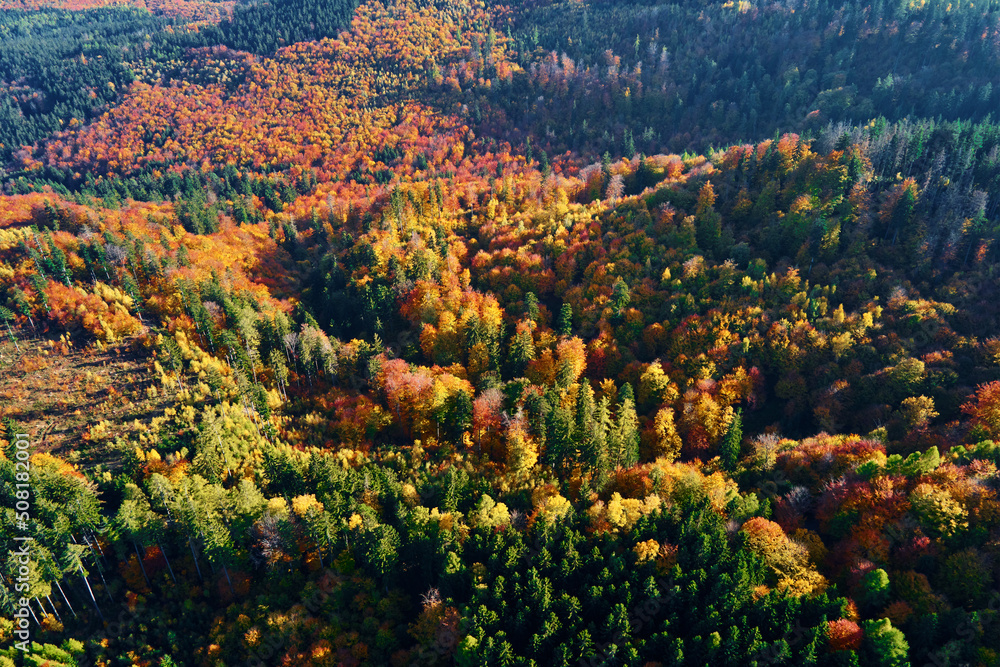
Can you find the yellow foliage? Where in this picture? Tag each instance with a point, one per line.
(787, 559)
(278, 507)
(522, 455)
(490, 514)
(646, 551)
(622, 513)
(668, 442)
(301, 505)
(938, 510)
(554, 507)
(410, 495)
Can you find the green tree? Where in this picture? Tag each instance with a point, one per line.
(620, 297)
(885, 645)
(565, 320)
(459, 415)
(624, 441)
(531, 310)
(522, 350)
(559, 444)
(729, 448)
(876, 587)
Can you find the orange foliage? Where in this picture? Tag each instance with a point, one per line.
(74, 308)
(984, 409)
(844, 635)
(314, 105)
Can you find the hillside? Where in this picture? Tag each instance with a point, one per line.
(447, 332)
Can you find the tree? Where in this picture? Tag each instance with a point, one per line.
(875, 585)
(522, 349)
(984, 409)
(459, 415)
(668, 442)
(906, 377)
(708, 223)
(624, 441)
(938, 511)
(885, 645)
(522, 455)
(7, 317)
(486, 418)
(560, 448)
(788, 561)
(844, 635)
(917, 411)
(966, 578)
(594, 452)
(565, 320)
(655, 387)
(531, 310)
(620, 297)
(380, 546)
(571, 357)
(583, 422)
(729, 448)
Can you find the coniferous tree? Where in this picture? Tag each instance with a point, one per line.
(729, 448)
(624, 440)
(566, 320)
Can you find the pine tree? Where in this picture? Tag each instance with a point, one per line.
(624, 447)
(531, 306)
(729, 449)
(584, 418)
(460, 415)
(566, 320)
(522, 350)
(598, 456)
(559, 445)
(620, 297)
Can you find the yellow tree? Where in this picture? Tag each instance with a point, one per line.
(667, 443)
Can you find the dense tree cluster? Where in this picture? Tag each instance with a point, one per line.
(432, 354)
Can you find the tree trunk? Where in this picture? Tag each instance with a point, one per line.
(228, 580)
(91, 591)
(167, 561)
(54, 611)
(66, 599)
(141, 566)
(97, 562)
(195, 557)
(13, 337)
(97, 545)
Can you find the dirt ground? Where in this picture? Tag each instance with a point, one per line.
(58, 390)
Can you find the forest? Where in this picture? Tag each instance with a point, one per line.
(454, 332)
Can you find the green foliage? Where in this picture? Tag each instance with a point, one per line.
(321, 380)
(266, 28)
(885, 645)
(729, 449)
(875, 585)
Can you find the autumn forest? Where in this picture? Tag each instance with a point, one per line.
(557, 333)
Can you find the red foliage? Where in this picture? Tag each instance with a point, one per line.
(826, 456)
(844, 635)
(984, 409)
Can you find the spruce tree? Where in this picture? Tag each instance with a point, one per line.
(566, 320)
(729, 450)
